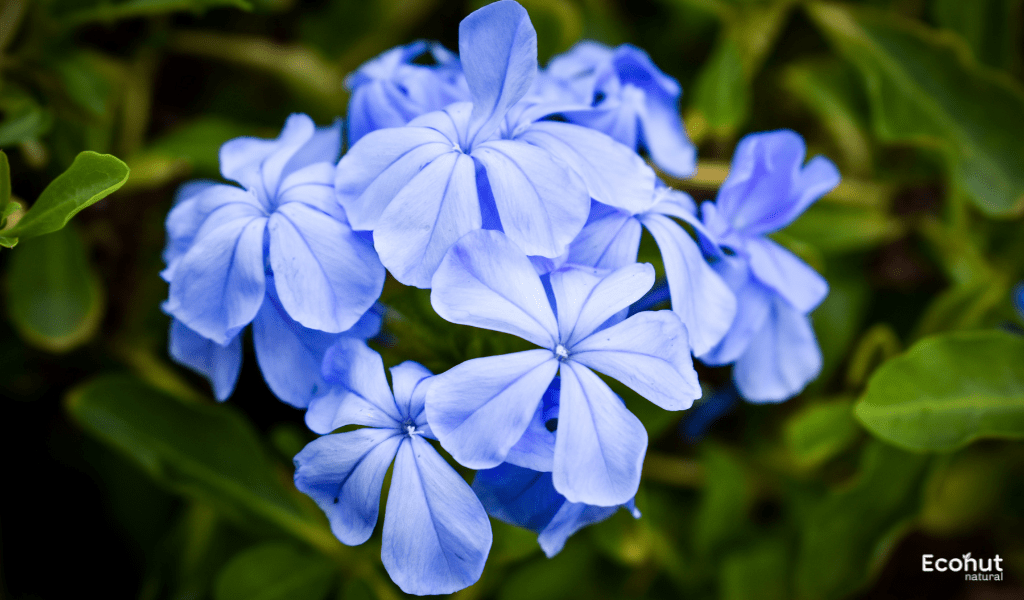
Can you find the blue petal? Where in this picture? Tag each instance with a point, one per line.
(218, 286)
(609, 240)
(436, 534)
(487, 282)
(361, 395)
(218, 364)
(585, 300)
(289, 355)
(326, 276)
(498, 50)
(542, 203)
(570, 518)
(379, 165)
(344, 474)
(183, 221)
(649, 353)
(312, 185)
(409, 380)
(1018, 299)
(704, 303)
(783, 357)
(789, 276)
(480, 408)
(613, 173)
(536, 448)
(768, 186)
(600, 446)
(259, 164)
(753, 301)
(518, 496)
(437, 207)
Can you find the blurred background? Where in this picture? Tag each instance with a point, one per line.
(124, 479)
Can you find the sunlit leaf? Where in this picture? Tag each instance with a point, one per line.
(947, 391)
(54, 298)
(275, 571)
(925, 88)
(721, 96)
(88, 180)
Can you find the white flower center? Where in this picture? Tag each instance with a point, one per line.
(561, 352)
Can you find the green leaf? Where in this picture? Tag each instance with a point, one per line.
(761, 572)
(833, 92)
(203, 451)
(721, 96)
(84, 83)
(723, 508)
(88, 180)
(991, 28)
(199, 143)
(24, 118)
(275, 571)
(820, 431)
(5, 188)
(54, 298)
(105, 10)
(947, 391)
(925, 88)
(841, 534)
(835, 228)
(964, 493)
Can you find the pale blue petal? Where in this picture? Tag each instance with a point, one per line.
(570, 518)
(600, 446)
(218, 286)
(324, 146)
(768, 186)
(409, 380)
(289, 355)
(704, 303)
(663, 135)
(609, 240)
(313, 185)
(379, 165)
(220, 365)
(789, 276)
(586, 300)
(326, 276)
(541, 202)
(480, 408)
(753, 301)
(361, 395)
(436, 533)
(487, 282)
(649, 353)
(344, 474)
(536, 448)
(613, 173)
(498, 50)
(783, 357)
(437, 207)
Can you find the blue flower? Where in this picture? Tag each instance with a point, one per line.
(611, 240)
(436, 533)
(1018, 299)
(390, 90)
(771, 339)
(628, 97)
(276, 252)
(481, 408)
(528, 499)
(480, 164)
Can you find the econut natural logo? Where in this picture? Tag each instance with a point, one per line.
(974, 569)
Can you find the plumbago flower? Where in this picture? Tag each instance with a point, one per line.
(276, 252)
(611, 240)
(436, 533)
(391, 90)
(528, 499)
(481, 164)
(628, 97)
(481, 409)
(771, 339)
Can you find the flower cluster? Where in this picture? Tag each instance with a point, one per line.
(518, 196)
